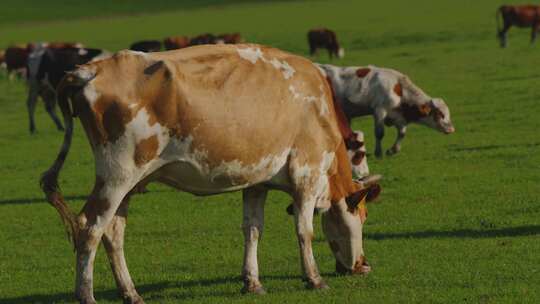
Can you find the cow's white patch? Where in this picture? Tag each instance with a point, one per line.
(267, 167)
(254, 54)
(91, 94)
(294, 93)
(285, 68)
(324, 102)
(251, 54)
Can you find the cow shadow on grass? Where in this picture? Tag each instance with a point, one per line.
(156, 292)
(493, 147)
(23, 201)
(34, 200)
(458, 233)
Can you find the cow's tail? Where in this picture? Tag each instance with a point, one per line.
(71, 83)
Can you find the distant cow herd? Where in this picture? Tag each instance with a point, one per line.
(214, 114)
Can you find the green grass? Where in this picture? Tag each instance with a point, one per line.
(459, 218)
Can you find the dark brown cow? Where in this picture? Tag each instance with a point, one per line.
(520, 16)
(146, 46)
(206, 38)
(175, 42)
(325, 39)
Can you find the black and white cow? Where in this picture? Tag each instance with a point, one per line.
(46, 67)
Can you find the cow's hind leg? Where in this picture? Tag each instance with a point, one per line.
(49, 97)
(252, 226)
(113, 241)
(304, 207)
(379, 116)
(94, 219)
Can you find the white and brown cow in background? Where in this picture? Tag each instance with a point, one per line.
(391, 97)
(208, 120)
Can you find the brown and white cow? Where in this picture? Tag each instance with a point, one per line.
(208, 120)
(230, 38)
(176, 42)
(391, 97)
(519, 16)
(325, 39)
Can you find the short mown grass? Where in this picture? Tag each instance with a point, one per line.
(459, 216)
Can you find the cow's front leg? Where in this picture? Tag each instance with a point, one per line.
(252, 226)
(95, 217)
(303, 215)
(379, 117)
(396, 147)
(113, 241)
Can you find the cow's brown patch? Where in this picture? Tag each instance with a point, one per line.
(146, 150)
(414, 112)
(96, 205)
(362, 72)
(398, 90)
(115, 118)
(358, 157)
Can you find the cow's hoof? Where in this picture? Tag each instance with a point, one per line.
(133, 300)
(391, 152)
(253, 289)
(87, 301)
(321, 285)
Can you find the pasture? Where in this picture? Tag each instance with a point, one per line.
(458, 220)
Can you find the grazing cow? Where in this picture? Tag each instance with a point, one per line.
(146, 46)
(175, 42)
(390, 97)
(520, 16)
(233, 38)
(46, 67)
(325, 39)
(206, 38)
(208, 120)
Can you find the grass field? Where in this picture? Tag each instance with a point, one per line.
(459, 216)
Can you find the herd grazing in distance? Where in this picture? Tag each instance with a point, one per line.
(180, 42)
(525, 16)
(281, 122)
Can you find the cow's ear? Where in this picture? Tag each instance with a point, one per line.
(424, 109)
(154, 67)
(356, 198)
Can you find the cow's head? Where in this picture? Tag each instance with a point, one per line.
(435, 114)
(342, 226)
